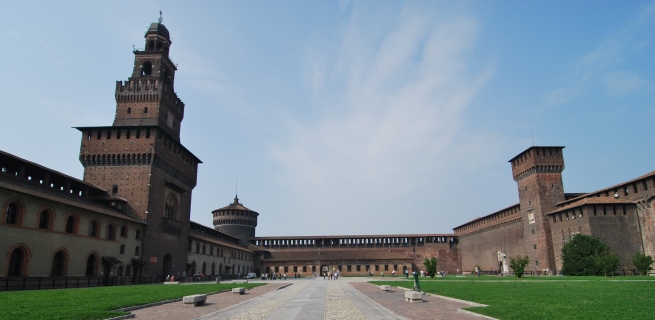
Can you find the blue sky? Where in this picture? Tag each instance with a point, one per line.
(349, 117)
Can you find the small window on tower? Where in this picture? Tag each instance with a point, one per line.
(145, 110)
(114, 189)
(146, 68)
(129, 110)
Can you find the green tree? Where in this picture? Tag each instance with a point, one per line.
(607, 262)
(642, 262)
(518, 264)
(585, 255)
(431, 266)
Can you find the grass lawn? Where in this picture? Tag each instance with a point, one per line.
(549, 297)
(95, 303)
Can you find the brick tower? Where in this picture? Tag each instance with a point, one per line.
(538, 174)
(236, 220)
(140, 161)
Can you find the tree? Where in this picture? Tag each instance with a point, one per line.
(518, 264)
(642, 262)
(585, 255)
(607, 262)
(431, 266)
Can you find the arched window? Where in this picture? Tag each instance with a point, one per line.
(59, 264)
(170, 207)
(17, 263)
(93, 229)
(204, 268)
(71, 224)
(12, 214)
(124, 231)
(45, 220)
(146, 68)
(111, 232)
(91, 265)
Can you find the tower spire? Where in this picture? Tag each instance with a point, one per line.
(161, 18)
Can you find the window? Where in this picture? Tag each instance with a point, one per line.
(17, 263)
(138, 234)
(71, 225)
(120, 271)
(59, 264)
(44, 220)
(145, 110)
(304, 268)
(136, 251)
(114, 189)
(91, 265)
(386, 267)
(349, 268)
(359, 268)
(170, 208)
(129, 110)
(124, 231)
(93, 229)
(295, 268)
(377, 267)
(127, 133)
(12, 215)
(122, 249)
(111, 232)
(128, 271)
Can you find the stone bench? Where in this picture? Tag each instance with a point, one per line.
(239, 290)
(385, 288)
(413, 296)
(195, 300)
(172, 282)
(239, 281)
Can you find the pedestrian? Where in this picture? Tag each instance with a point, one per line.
(393, 273)
(168, 278)
(285, 276)
(324, 275)
(406, 273)
(381, 274)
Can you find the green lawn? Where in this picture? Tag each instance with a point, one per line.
(95, 303)
(549, 297)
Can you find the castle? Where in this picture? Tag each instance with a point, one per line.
(129, 216)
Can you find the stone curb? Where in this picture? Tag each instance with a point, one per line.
(148, 305)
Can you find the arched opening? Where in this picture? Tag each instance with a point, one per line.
(213, 269)
(45, 219)
(170, 207)
(91, 265)
(17, 263)
(71, 224)
(111, 232)
(93, 229)
(146, 68)
(204, 268)
(168, 265)
(59, 264)
(12, 214)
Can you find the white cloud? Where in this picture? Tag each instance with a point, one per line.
(623, 82)
(392, 103)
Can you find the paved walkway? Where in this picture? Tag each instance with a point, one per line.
(349, 298)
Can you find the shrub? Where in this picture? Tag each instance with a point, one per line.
(642, 262)
(585, 255)
(518, 264)
(431, 266)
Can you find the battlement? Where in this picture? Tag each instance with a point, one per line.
(548, 159)
(146, 90)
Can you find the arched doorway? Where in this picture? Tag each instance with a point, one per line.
(167, 268)
(204, 268)
(213, 269)
(91, 265)
(17, 263)
(59, 264)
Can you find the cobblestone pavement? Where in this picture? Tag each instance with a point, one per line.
(313, 299)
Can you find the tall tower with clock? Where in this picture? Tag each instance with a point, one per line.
(141, 161)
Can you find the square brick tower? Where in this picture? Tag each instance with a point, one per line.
(140, 160)
(538, 174)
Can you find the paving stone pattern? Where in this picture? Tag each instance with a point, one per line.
(352, 299)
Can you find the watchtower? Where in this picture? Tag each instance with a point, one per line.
(538, 174)
(236, 220)
(140, 159)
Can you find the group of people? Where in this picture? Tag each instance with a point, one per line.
(275, 276)
(331, 275)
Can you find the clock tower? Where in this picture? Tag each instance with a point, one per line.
(141, 161)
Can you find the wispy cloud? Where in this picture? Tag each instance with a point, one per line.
(624, 82)
(392, 102)
(601, 63)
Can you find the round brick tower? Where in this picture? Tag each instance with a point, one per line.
(236, 220)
